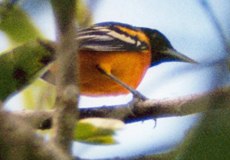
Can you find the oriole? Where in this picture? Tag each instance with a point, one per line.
(114, 57)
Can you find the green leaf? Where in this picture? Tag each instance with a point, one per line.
(39, 95)
(22, 65)
(84, 16)
(97, 130)
(17, 24)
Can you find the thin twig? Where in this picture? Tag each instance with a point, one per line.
(217, 25)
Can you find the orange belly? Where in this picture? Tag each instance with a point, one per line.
(129, 67)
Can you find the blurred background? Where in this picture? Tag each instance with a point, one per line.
(191, 31)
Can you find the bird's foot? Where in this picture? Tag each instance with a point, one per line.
(137, 97)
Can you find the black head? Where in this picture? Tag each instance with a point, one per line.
(162, 50)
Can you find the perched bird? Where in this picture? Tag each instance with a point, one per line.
(114, 57)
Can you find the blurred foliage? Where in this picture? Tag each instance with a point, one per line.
(83, 15)
(19, 28)
(17, 25)
(21, 66)
(210, 139)
(89, 134)
(39, 95)
(97, 130)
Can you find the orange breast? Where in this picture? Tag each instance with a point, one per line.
(129, 67)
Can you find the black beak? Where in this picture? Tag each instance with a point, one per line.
(173, 55)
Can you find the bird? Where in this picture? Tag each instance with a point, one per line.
(114, 57)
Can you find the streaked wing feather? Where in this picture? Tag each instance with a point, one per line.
(106, 38)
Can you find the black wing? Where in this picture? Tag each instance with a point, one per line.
(108, 37)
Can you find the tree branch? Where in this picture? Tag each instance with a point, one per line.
(19, 141)
(161, 108)
(142, 110)
(64, 119)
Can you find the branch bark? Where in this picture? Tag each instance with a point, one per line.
(65, 116)
(20, 141)
(148, 109)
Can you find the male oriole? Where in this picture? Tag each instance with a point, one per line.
(114, 57)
